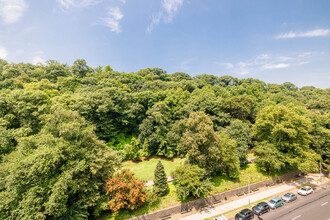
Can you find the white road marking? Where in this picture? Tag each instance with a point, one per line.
(296, 217)
(324, 203)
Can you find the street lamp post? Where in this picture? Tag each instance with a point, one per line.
(249, 189)
(320, 172)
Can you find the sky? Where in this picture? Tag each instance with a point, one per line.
(275, 41)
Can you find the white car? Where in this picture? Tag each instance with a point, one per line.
(220, 218)
(305, 190)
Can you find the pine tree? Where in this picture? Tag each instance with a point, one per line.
(135, 149)
(160, 180)
(145, 149)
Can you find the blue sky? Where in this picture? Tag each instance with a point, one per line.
(275, 41)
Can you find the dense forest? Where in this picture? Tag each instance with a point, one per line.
(64, 130)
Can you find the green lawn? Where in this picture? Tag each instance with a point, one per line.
(145, 170)
(224, 183)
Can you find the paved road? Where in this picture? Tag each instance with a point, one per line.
(315, 206)
(245, 200)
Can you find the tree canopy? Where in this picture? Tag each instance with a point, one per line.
(64, 130)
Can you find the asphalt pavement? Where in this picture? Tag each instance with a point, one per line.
(315, 206)
(245, 200)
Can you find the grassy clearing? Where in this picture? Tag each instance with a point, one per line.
(222, 183)
(145, 170)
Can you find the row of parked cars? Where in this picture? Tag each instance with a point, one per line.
(274, 203)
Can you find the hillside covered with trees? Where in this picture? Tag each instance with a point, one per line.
(64, 131)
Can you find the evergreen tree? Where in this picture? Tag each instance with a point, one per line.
(160, 180)
(145, 148)
(135, 149)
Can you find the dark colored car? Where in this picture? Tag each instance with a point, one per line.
(289, 197)
(244, 215)
(261, 208)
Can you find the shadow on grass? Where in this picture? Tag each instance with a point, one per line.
(149, 158)
(217, 180)
(275, 173)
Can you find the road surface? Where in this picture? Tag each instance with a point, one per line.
(315, 206)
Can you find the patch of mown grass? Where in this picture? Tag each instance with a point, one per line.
(223, 183)
(144, 170)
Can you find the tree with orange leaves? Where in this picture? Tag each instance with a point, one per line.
(125, 191)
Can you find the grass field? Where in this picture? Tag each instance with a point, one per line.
(251, 171)
(145, 171)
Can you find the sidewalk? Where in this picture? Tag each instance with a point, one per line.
(253, 197)
(151, 182)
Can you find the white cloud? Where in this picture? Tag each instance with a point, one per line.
(275, 66)
(113, 19)
(284, 58)
(76, 3)
(12, 10)
(305, 54)
(228, 65)
(171, 6)
(3, 53)
(263, 57)
(38, 59)
(267, 62)
(166, 14)
(312, 33)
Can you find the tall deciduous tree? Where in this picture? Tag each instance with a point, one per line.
(80, 68)
(241, 133)
(284, 136)
(160, 180)
(57, 173)
(204, 147)
(191, 181)
(240, 106)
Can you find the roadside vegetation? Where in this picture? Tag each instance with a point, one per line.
(67, 130)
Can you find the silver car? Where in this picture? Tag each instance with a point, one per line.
(289, 197)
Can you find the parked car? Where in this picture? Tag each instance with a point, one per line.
(220, 218)
(244, 215)
(261, 208)
(289, 197)
(305, 190)
(275, 202)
